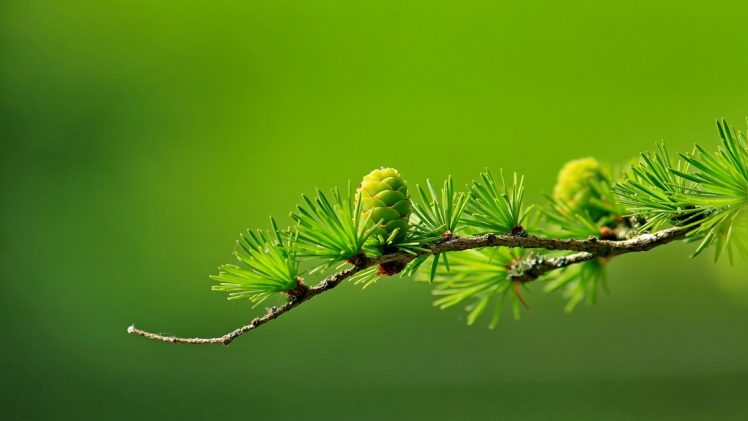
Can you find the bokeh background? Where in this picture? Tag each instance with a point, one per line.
(139, 138)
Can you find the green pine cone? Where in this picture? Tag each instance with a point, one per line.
(573, 187)
(384, 198)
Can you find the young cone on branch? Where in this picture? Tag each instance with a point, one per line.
(384, 200)
(575, 186)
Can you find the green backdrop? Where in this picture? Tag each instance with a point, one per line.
(139, 138)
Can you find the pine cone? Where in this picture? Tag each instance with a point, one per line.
(573, 187)
(384, 197)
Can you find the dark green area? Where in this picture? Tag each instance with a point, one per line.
(139, 139)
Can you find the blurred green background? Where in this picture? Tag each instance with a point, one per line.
(139, 138)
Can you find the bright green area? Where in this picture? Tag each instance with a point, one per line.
(139, 139)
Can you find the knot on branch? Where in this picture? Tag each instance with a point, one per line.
(299, 292)
(518, 231)
(359, 261)
(391, 268)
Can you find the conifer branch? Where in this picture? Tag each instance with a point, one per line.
(592, 216)
(525, 270)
